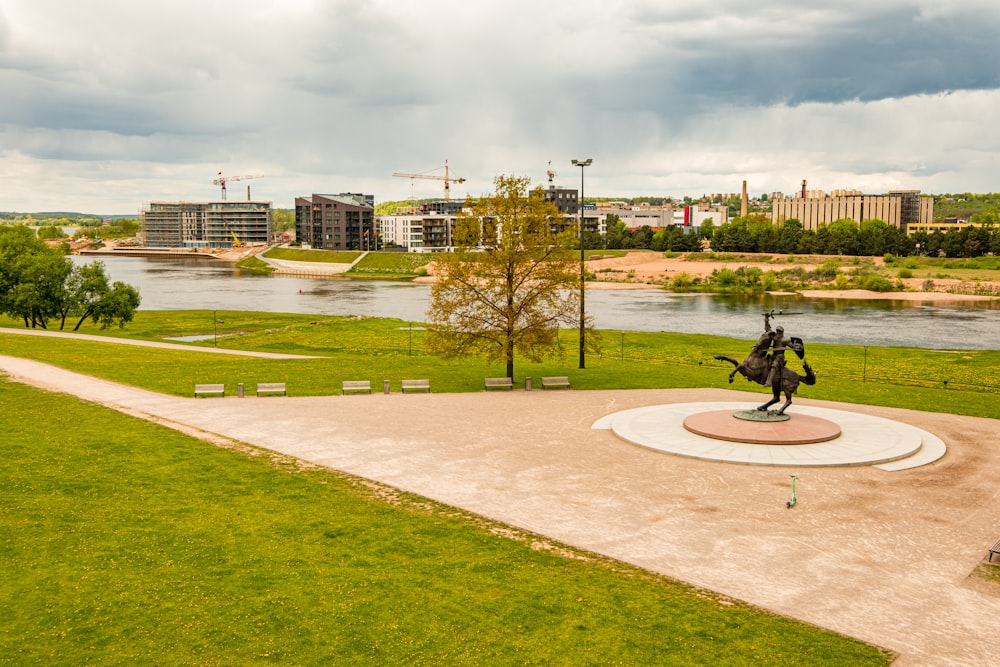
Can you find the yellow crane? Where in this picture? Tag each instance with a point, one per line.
(448, 180)
(222, 180)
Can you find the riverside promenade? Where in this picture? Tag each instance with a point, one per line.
(885, 556)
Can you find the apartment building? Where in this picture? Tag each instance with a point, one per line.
(343, 221)
(218, 224)
(657, 217)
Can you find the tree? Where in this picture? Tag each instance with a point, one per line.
(88, 295)
(31, 276)
(38, 283)
(510, 282)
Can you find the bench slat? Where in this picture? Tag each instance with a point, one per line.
(271, 388)
(206, 389)
(995, 549)
(556, 381)
(356, 385)
(498, 383)
(422, 385)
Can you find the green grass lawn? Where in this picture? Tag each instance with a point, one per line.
(128, 543)
(394, 264)
(378, 349)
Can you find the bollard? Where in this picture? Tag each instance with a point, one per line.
(239, 390)
(527, 384)
(385, 386)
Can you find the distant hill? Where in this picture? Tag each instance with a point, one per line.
(43, 216)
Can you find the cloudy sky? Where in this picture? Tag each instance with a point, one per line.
(107, 104)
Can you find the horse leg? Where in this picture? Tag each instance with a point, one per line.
(788, 396)
(774, 399)
(737, 366)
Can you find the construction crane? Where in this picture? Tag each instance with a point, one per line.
(222, 180)
(448, 180)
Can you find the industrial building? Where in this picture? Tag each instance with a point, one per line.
(344, 221)
(218, 224)
(900, 209)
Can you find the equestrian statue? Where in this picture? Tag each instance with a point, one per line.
(769, 369)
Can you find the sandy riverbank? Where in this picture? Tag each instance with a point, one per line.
(652, 270)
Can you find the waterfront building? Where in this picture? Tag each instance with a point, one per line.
(901, 209)
(657, 217)
(430, 227)
(418, 231)
(344, 221)
(217, 224)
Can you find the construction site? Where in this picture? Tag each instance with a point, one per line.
(208, 225)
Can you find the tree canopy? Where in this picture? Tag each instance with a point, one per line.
(39, 284)
(511, 281)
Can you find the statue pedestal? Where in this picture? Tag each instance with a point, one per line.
(785, 430)
(761, 416)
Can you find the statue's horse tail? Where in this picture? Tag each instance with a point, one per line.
(810, 376)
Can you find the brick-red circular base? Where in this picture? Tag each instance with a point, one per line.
(799, 430)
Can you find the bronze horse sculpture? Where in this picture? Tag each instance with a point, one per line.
(757, 367)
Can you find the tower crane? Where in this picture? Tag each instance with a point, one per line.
(222, 180)
(448, 180)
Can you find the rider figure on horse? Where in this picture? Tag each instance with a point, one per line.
(777, 359)
(778, 343)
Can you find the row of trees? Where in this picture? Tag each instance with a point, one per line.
(846, 237)
(40, 286)
(756, 233)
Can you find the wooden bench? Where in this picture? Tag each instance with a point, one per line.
(209, 390)
(498, 383)
(417, 385)
(995, 549)
(353, 386)
(558, 382)
(271, 388)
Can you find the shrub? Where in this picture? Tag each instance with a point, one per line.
(905, 273)
(727, 278)
(681, 280)
(876, 283)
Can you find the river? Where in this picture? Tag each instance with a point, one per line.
(186, 284)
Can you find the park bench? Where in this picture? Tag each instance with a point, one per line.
(271, 388)
(354, 386)
(555, 382)
(995, 549)
(417, 385)
(498, 383)
(209, 390)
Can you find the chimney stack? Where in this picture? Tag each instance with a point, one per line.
(743, 201)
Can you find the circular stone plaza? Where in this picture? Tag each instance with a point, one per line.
(810, 436)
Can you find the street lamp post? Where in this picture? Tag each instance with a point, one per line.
(583, 312)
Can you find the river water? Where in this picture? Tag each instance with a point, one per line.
(183, 284)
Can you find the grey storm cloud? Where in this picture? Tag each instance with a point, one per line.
(319, 95)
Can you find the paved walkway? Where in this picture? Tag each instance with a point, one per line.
(880, 555)
(150, 343)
